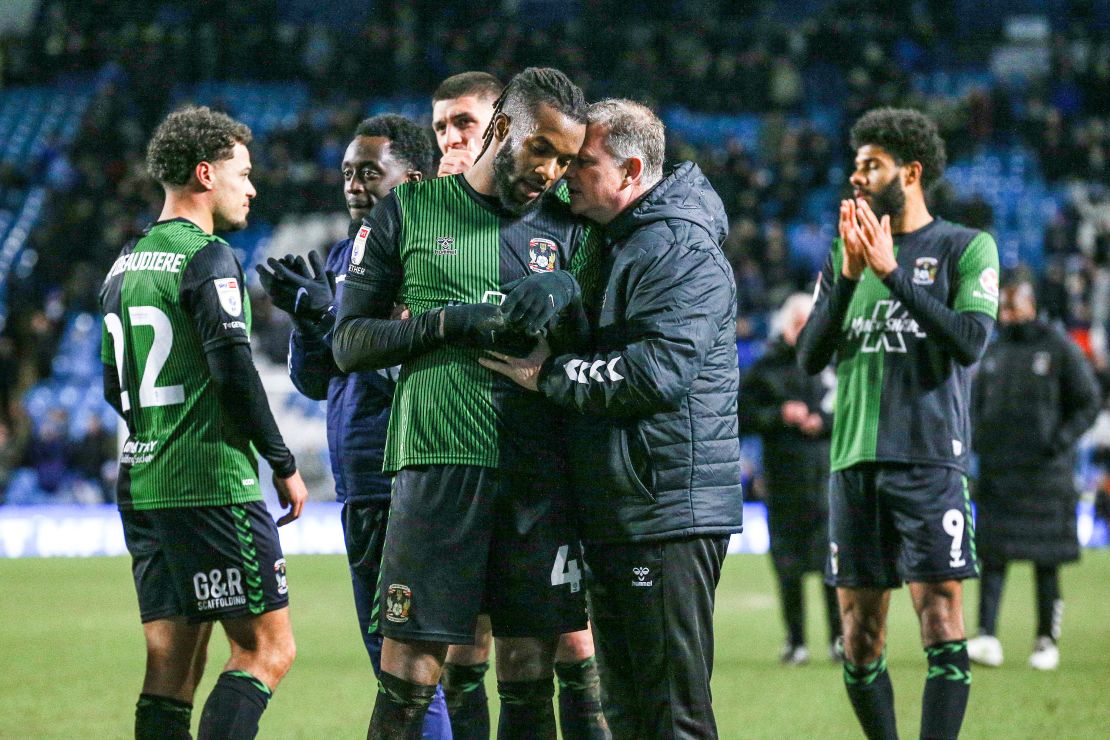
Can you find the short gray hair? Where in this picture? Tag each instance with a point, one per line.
(634, 131)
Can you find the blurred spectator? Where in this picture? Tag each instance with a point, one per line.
(1034, 397)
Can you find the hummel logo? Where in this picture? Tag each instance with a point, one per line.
(641, 573)
(445, 245)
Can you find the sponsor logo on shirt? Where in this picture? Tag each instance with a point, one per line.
(641, 574)
(359, 248)
(136, 453)
(227, 289)
(445, 246)
(925, 271)
(887, 328)
(543, 255)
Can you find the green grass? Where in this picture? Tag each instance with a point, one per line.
(72, 658)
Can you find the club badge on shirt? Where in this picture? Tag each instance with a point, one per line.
(543, 255)
(227, 289)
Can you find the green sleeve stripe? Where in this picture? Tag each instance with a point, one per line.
(837, 258)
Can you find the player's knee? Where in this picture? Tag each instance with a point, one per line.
(574, 647)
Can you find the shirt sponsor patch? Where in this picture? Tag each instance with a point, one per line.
(227, 289)
(359, 249)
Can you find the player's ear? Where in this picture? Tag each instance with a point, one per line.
(633, 170)
(501, 123)
(205, 174)
(913, 173)
(414, 176)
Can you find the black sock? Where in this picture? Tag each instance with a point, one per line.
(1050, 607)
(580, 701)
(946, 690)
(832, 614)
(162, 718)
(234, 707)
(464, 687)
(990, 596)
(399, 709)
(526, 710)
(872, 697)
(793, 609)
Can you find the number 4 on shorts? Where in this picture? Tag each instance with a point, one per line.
(566, 571)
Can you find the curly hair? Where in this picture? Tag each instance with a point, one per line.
(188, 137)
(408, 141)
(907, 135)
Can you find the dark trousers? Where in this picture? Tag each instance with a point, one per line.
(652, 610)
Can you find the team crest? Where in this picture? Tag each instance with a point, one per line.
(398, 602)
(360, 244)
(543, 255)
(279, 574)
(227, 289)
(925, 271)
(445, 246)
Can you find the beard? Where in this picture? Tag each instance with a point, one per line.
(504, 178)
(890, 200)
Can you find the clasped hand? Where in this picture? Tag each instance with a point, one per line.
(867, 240)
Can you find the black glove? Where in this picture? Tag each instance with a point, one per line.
(282, 292)
(482, 325)
(315, 287)
(532, 301)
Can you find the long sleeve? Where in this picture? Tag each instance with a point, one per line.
(364, 337)
(963, 334)
(832, 295)
(311, 364)
(245, 405)
(760, 411)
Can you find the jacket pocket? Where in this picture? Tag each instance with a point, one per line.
(635, 459)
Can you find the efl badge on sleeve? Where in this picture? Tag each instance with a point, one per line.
(227, 289)
(360, 244)
(925, 271)
(543, 255)
(988, 280)
(398, 602)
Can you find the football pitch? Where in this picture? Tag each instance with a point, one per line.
(72, 658)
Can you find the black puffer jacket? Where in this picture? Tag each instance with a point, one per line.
(1034, 397)
(654, 451)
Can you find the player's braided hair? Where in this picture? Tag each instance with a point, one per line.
(907, 135)
(408, 141)
(188, 137)
(531, 88)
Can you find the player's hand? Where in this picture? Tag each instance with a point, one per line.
(482, 325)
(282, 292)
(532, 301)
(794, 413)
(878, 241)
(851, 238)
(812, 425)
(400, 312)
(315, 286)
(524, 371)
(292, 494)
(455, 161)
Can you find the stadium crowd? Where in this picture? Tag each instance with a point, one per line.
(709, 57)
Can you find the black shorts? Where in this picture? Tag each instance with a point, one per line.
(464, 540)
(206, 563)
(893, 522)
